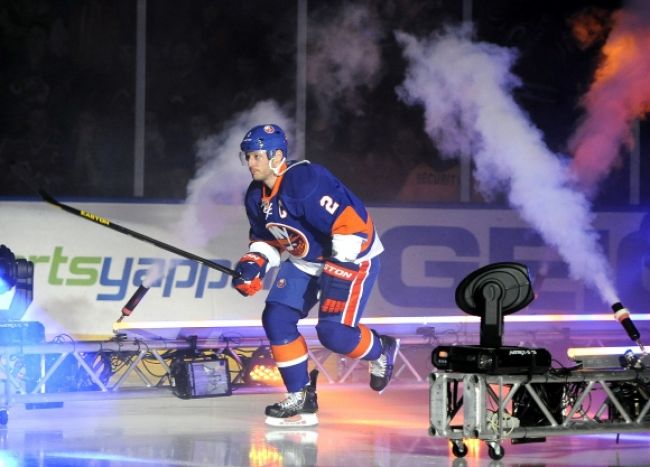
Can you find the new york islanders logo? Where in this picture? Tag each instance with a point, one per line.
(290, 239)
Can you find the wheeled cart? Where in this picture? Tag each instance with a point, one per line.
(526, 408)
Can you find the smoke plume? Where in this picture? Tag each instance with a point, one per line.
(221, 178)
(344, 57)
(619, 93)
(466, 88)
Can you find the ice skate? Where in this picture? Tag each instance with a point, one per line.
(381, 370)
(298, 409)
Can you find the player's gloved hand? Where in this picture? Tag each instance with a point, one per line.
(336, 281)
(251, 267)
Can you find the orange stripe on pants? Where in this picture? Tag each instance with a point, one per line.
(365, 343)
(286, 354)
(352, 305)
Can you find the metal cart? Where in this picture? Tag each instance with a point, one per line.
(526, 408)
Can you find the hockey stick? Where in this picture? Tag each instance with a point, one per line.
(111, 225)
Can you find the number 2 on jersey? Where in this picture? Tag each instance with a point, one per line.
(329, 204)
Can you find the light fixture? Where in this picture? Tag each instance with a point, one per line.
(262, 370)
(17, 275)
(490, 293)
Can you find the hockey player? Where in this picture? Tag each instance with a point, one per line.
(300, 208)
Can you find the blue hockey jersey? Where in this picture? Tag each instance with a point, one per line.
(306, 209)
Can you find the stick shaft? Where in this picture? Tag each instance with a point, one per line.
(132, 233)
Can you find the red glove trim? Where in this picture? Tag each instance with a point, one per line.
(250, 288)
(257, 258)
(332, 306)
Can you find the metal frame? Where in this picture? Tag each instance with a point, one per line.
(485, 405)
(134, 356)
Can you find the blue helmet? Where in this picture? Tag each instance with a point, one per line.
(268, 137)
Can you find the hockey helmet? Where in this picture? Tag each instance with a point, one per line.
(268, 137)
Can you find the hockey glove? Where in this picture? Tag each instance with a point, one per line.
(336, 281)
(251, 267)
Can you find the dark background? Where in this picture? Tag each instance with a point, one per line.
(67, 87)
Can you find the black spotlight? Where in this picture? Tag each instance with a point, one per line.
(15, 274)
(492, 292)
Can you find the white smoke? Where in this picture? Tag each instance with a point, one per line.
(344, 57)
(465, 88)
(221, 178)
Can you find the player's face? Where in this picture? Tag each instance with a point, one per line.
(258, 165)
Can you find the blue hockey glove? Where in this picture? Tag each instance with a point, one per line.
(252, 267)
(336, 281)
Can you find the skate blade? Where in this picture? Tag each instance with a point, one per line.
(300, 436)
(305, 419)
(394, 360)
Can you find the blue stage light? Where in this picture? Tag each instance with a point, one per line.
(17, 274)
(7, 269)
